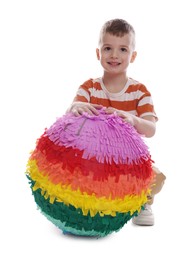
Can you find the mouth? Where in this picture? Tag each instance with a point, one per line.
(114, 64)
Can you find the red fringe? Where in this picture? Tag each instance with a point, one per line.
(71, 159)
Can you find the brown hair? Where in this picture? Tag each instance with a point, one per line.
(118, 27)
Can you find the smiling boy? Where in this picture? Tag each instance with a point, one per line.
(118, 92)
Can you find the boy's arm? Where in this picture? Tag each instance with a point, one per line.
(81, 102)
(145, 126)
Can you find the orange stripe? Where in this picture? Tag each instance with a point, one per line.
(127, 184)
(144, 109)
(121, 105)
(132, 88)
(124, 105)
(81, 99)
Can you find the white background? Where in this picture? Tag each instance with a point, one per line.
(47, 49)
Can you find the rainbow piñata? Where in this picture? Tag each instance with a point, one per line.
(90, 174)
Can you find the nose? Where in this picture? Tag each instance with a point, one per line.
(114, 54)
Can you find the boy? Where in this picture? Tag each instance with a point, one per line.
(117, 92)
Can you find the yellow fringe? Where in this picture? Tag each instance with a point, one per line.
(88, 203)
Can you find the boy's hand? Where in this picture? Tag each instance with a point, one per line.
(129, 118)
(78, 108)
(145, 126)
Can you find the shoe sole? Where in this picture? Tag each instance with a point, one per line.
(143, 222)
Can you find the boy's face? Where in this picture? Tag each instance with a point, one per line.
(115, 53)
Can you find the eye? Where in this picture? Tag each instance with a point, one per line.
(123, 49)
(107, 48)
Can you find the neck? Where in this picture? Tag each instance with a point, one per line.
(114, 83)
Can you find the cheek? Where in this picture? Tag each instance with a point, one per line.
(125, 56)
(100, 57)
(128, 58)
(105, 56)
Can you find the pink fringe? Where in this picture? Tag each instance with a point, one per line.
(105, 137)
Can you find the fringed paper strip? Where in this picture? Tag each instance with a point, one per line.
(126, 184)
(102, 137)
(72, 160)
(90, 174)
(72, 220)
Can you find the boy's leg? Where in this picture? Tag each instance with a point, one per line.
(157, 185)
(146, 217)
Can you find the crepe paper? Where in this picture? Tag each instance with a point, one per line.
(110, 187)
(104, 137)
(70, 219)
(71, 159)
(87, 202)
(89, 175)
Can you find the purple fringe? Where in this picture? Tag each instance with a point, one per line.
(105, 137)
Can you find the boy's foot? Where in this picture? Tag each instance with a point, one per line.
(145, 217)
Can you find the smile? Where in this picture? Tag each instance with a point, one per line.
(114, 63)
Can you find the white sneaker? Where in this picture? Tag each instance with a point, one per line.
(145, 217)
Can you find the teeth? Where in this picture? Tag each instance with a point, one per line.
(113, 63)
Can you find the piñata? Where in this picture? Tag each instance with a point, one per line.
(90, 174)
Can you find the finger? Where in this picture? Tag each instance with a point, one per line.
(97, 106)
(128, 120)
(94, 111)
(122, 116)
(89, 110)
(76, 113)
(109, 110)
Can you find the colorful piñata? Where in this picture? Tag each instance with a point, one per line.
(90, 174)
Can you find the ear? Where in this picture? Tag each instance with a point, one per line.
(134, 55)
(98, 54)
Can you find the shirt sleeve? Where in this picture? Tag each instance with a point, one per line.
(145, 104)
(83, 92)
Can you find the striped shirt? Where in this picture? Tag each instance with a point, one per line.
(133, 98)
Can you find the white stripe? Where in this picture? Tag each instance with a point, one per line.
(133, 112)
(145, 100)
(83, 93)
(124, 97)
(149, 114)
(97, 93)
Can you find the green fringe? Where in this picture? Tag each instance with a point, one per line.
(70, 219)
(74, 231)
